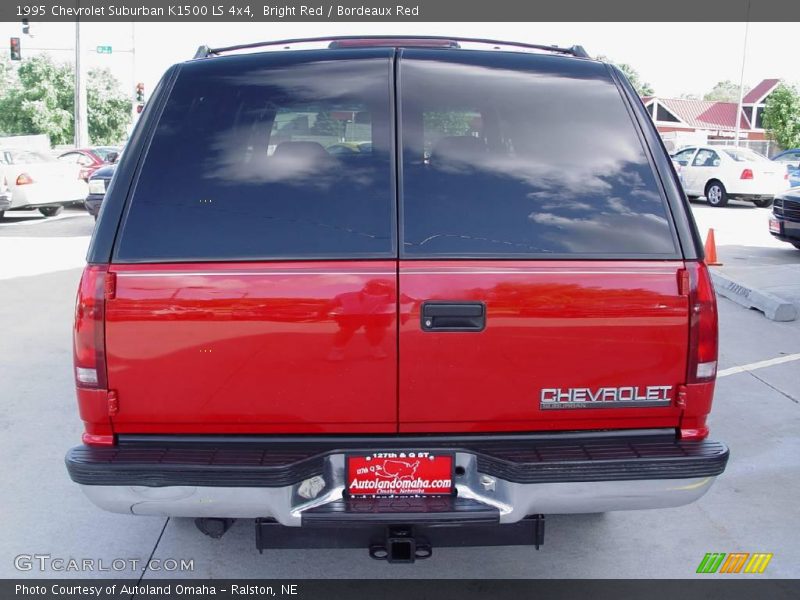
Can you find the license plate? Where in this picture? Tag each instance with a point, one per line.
(774, 226)
(408, 473)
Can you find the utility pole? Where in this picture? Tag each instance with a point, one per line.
(134, 112)
(81, 114)
(741, 80)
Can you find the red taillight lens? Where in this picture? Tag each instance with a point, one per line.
(703, 340)
(84, 174)
(89, 333)
(24, 179)
(747, 174)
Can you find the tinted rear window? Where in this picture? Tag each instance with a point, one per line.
(268, 156)
(523, 155)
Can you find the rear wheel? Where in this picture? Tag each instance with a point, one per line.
(2, 212)
(716, 195)
(51, 211)
(763, 202)
(796, 245)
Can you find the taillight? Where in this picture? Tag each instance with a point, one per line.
(89, 332)
(84, 174)
(24, 179)
(747, 174)
(703, 331)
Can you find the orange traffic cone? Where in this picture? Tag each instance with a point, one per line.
(711, 250)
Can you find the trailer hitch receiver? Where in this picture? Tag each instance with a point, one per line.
(401, 546)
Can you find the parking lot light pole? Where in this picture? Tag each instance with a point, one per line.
(741, 80)
(81, 113)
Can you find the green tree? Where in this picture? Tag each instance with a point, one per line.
(724, 91)
(642, 87)
(450, 122)
(8, 74)
(325, 124)
(782, 116)
(40, 98)
(40, 101)
(109, 108)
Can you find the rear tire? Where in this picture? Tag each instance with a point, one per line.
(2, 212)
(716, 194)
(51, 211)
(796, 245)
(763, 203)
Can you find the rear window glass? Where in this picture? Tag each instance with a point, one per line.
(744, 155)
(523, 155)
(24, 157)
(268, 157)
(103, 153)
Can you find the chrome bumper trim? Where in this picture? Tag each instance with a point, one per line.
(286, 504)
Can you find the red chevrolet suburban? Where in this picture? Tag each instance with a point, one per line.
(394, 293)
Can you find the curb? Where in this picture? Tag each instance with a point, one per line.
(773, 307)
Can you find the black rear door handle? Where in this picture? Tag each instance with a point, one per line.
(453, 316)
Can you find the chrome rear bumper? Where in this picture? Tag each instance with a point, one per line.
(286, 504)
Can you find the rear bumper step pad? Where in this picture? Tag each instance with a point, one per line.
(266, 462)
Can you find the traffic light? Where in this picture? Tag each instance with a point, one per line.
(140, 93)
(26, 27)
(16, 50)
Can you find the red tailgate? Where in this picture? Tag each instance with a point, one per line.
(586, 329)
(254, 348)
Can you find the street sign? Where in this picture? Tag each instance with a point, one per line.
(104, 49)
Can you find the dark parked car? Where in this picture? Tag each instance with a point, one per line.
(785, 221)
(792, 160)
(98, 184)
(90, 159)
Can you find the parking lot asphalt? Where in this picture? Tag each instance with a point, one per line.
(33, 245)
(750, 256)
(752, 507)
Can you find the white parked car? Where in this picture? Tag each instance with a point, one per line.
(720, 173)
(35, 180)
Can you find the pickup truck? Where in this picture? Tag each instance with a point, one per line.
(492, 307)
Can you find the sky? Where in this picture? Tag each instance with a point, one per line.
(675, 58)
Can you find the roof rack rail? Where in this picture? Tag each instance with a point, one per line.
(335, 41)
(202, 52)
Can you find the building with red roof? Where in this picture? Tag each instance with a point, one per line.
(715, 120)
